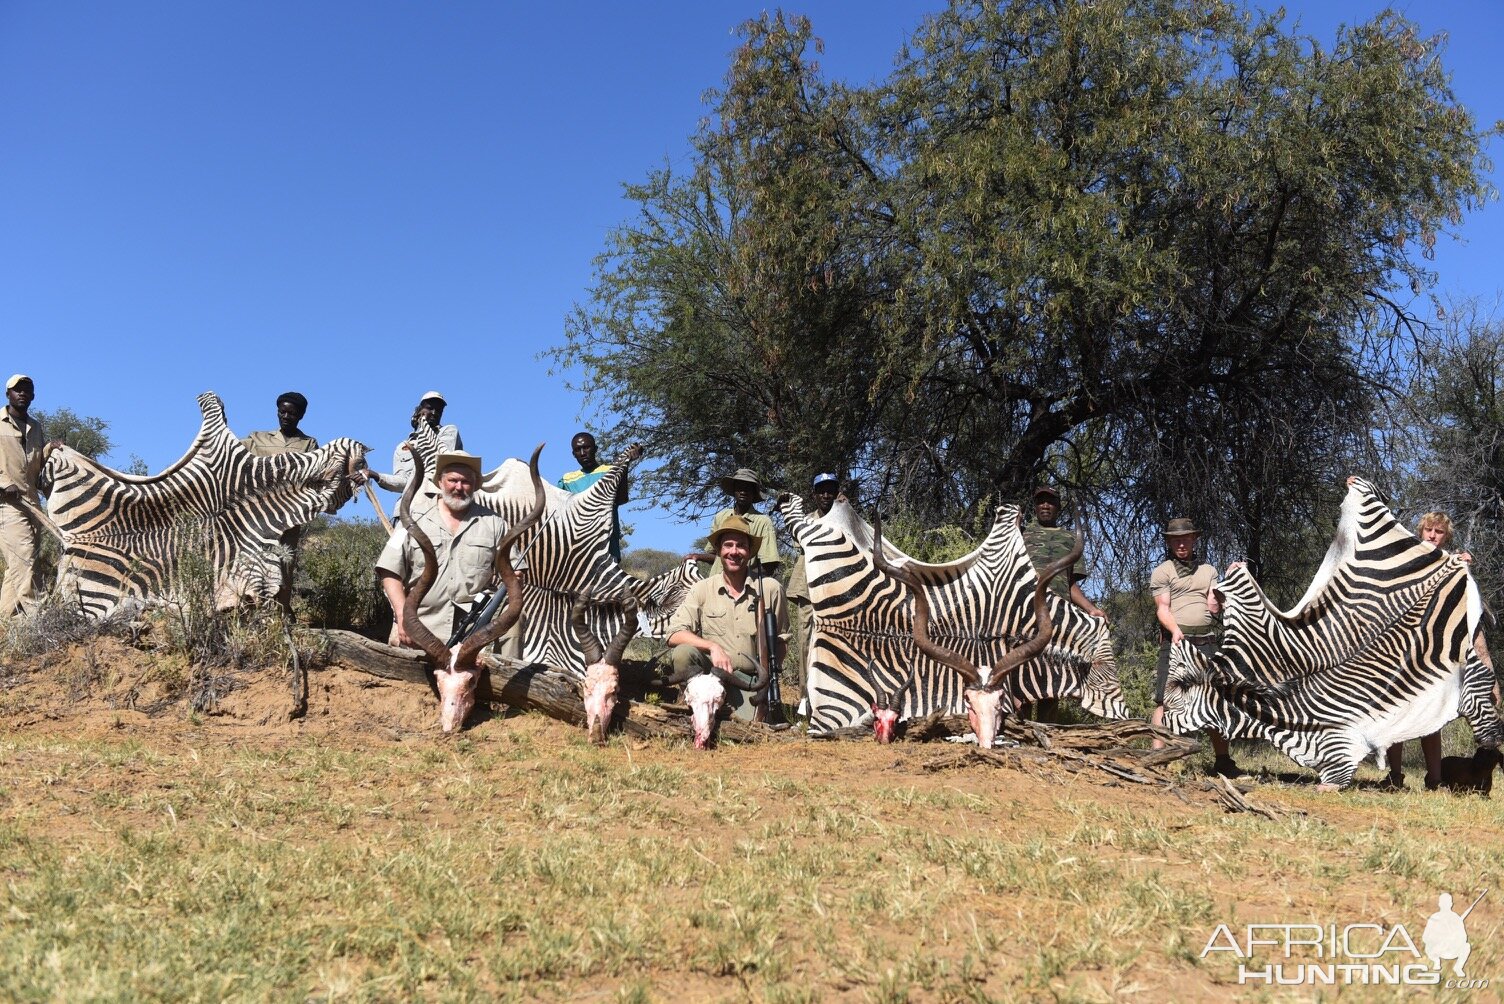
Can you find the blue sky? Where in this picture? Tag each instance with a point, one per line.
(365, 200)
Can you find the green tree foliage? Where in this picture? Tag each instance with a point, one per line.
(647, 562)
(1455, 439)
(1156, 250)
(88, 435)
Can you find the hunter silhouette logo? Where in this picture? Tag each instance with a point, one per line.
(1445, 937)
(1361, 953)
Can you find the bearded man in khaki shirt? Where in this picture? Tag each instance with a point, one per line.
(21, 443)
(465, 535)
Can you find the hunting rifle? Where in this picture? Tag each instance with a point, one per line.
(767, 653)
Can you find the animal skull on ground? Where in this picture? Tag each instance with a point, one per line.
(599, 688)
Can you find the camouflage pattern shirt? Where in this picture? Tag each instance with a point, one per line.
(1046, 544)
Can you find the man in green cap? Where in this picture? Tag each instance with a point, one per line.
(717, 625)
(746, 491)
(1047, 542)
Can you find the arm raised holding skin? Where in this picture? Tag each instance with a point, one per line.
(1080, 600)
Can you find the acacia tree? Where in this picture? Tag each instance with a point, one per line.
(1453, 429)
(1160, 249)
(85, 433)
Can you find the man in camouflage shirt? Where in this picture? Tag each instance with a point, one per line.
(1047, 542)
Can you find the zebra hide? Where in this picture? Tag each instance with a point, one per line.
(1379, 650)
(981, 603)
(128, 537)
(569, 553)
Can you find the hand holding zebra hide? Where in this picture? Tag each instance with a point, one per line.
(124, 536)
(1378, 651)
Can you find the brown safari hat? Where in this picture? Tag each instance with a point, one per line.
(734, 524)
(744, 476)
(1181, 527)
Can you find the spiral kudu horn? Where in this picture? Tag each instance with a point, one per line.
(502, 622)
(437, 651)
(944, 656)
(1044, 627)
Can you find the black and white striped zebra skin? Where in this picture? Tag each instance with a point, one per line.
(1379, 650)
(981, 604)
(568, 554)
(124, 536)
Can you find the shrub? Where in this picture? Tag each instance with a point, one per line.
(336, 581)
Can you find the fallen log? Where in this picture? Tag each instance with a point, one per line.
(534, 687)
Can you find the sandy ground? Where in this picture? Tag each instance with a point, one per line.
(1321, 860)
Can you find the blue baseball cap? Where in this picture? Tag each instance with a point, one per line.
(820, 479)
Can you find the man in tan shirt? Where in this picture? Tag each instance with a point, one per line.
(716, 625)
(1187, 607)
(465, 535)
(287, 437)
(21, 443)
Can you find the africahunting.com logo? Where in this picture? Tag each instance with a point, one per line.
(1352, 954)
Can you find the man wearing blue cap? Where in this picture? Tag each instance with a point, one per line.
(21, 443)
(824, 491)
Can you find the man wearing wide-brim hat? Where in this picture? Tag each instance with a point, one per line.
(746, 491)
(717, 625)
(1187, 607)
(21, 443)
(465, 535)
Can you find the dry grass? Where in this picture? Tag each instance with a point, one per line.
(355, 856)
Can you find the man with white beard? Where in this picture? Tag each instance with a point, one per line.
(465, 536)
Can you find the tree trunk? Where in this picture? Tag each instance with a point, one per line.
(534, 688)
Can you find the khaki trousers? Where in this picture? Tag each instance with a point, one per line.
(18, 545)
(739, 701)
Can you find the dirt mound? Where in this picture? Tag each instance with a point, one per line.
(108, 681)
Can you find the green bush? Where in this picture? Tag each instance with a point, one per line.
(336, 577)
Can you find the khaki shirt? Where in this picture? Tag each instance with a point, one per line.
(762, 527)
(1047, 544)
(402, 461)
(20, 452)
(273, 443)
(1187, 595)
(798, 588)
(467, 562)
(710, 611)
